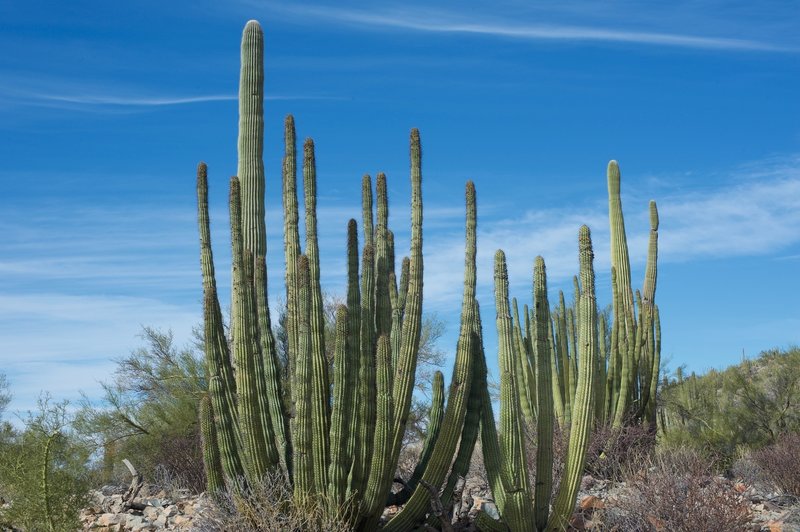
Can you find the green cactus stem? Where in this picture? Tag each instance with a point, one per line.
(545, 418)
(320, 386)
(215, 478)
(221, 384)
(582, 407)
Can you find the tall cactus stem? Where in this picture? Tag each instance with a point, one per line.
(320, 386)
(343, 386)
(304, 483)
(221, 383)
(215, 478)
(254, 423)
(545, 418)
(582, 407)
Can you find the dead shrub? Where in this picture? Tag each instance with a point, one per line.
(179, 464)
(780, 463)
(614, 452)
(677, 491)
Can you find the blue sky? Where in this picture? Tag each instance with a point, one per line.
(106, 108)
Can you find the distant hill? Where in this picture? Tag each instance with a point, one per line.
(746, 406)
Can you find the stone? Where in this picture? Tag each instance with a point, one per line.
(109, 519)
(181, 521)
(161, 521)
(590, 502)
(137, 523)
(151, 513)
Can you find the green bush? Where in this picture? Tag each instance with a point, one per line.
(44, 471)
(746, 406)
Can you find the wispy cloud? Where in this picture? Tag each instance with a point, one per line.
(65, 343)
(131, 100)
(439, 21)
(753, 212)
(66, 94)
(157, 101)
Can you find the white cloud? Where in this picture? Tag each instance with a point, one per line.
(753, 213)
(440, 21)
(46, 91)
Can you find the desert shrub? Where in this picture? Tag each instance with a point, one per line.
(269, 506)
(614, 452)
(180, 463)
(748, 405)
(44, 471)
(677, 491)
(780, 463)
(149, 413)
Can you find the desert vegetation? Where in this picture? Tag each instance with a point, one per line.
(310, 421)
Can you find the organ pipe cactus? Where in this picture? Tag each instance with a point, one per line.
(215, 478)
(344, 441)
(460, 407)
(521, 508)
(628, 364)
(634, 357)
(348, 448)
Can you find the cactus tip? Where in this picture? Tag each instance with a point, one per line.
(653, 216)
(470, 189)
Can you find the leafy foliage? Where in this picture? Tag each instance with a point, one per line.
(44, 473)
(745, 406)
(149, 411)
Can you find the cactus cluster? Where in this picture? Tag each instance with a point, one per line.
(339, 435)
(344, 444)
(559, 366)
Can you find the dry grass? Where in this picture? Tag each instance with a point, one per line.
(269, 506)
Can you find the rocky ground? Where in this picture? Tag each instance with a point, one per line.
(599, 502)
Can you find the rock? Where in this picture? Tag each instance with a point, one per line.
(590, 502)
(587, 482)
(151, 513)
(137, 522)
(161, 521)
(109, 519)
(181, 521)
(490, 508)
